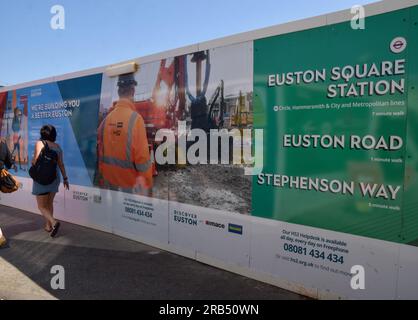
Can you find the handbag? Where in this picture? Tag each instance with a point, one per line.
(8, 183)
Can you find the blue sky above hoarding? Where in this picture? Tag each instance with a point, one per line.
(101, 32)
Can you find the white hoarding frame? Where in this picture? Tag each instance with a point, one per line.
(198, 252)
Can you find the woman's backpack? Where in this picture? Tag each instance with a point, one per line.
(44, 171)
(8, 183)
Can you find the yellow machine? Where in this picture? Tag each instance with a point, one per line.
(241, 117)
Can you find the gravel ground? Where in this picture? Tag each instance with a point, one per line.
(222, 187)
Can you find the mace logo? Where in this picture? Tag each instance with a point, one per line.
(235, 228)
(215, 224)
(398, 45)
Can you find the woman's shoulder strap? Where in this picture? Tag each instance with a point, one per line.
(46, 145)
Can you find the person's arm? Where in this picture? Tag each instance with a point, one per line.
(38, 148)
(63, 172)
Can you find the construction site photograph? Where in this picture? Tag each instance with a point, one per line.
(207, 90)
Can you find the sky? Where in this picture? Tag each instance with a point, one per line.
(103, 32)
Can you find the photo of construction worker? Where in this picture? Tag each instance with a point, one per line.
(123, 156)
(207, 90)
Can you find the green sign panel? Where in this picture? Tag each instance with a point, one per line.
(334, 104)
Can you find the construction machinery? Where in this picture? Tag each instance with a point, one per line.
(242, 116)
(168, 103)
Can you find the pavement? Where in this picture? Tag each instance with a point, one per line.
(100, 265)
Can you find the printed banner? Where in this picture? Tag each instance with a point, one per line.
(339, 112)
(71, 106)
(333, 103)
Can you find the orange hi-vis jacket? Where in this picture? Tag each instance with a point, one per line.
(123, 154)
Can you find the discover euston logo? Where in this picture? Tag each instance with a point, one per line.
(184, 217)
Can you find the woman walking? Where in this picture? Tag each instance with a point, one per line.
(45, 194)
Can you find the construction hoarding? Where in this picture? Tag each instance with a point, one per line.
(337, 107)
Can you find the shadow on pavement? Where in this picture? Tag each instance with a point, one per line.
(104, 266)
